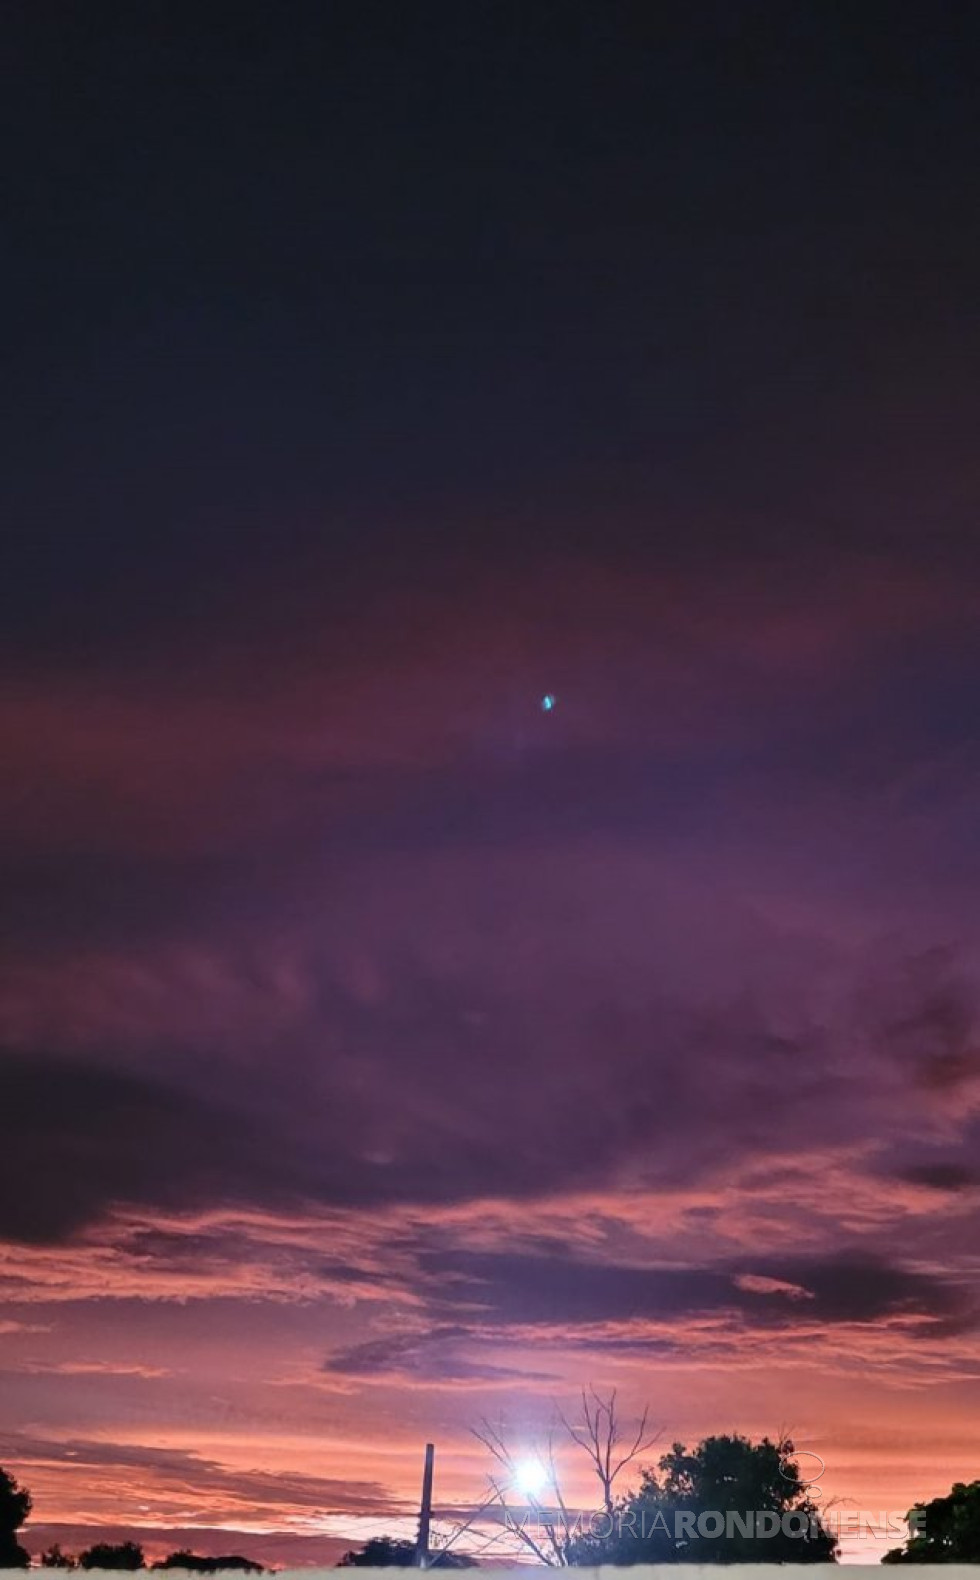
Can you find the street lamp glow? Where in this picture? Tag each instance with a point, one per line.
(530, 1477)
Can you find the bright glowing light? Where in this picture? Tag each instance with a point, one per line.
(530, 1477)
(548, 702)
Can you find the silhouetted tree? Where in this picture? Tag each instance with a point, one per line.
(541, 1519)
(15, 1506)
(113, 1555)
(945, 1531)
(599, 1433)
(681, 1514)
(381, 1552)
(390, 1552)
(184, 1559)
(54, 1558)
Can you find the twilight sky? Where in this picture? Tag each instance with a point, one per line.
(378, 1050)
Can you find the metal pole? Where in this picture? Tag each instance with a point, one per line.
(425, 1512)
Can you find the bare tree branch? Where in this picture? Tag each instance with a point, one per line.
(460, 1529)
(600, 1437)
(521, 1531)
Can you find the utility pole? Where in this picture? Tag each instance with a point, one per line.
(425, 1512)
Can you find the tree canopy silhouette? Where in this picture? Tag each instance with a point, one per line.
(113, 1555)
(15, 1506)
(390, 1552)
(54, 1558)
(945, 1531)
(680, 1513)
(128, 1555)
(183, 1558)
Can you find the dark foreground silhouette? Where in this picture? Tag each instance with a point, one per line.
(724, 1473)
(129, 1556)
(390, 1552)
(945, 1531)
